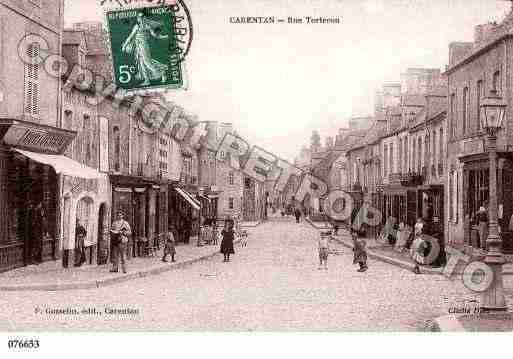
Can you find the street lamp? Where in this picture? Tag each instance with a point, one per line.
(493, 109)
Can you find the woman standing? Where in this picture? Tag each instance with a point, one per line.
(482, 218)
(227, 242)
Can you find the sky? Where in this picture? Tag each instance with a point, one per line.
(276, 83)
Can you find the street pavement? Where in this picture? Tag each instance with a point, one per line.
(272, 284)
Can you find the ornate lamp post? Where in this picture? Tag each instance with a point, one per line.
(493, 109)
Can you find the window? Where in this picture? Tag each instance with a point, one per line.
(441, 148)
(452, 107)
(406, 154)
(247, 183)
(86, 137)
(231, 178)
(413, 154)
(31, 99)
(426, 150)
(231, 203)
(117, 148)
(385, 160)
(465, 110)
(400, 154)
(391, 158)
(496, 82)
(479, 96)
(104, 144)
(419, 159)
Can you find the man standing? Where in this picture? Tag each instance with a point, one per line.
(119, 238)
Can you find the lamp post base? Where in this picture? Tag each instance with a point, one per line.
(493, 300)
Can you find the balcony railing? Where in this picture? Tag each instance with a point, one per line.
(395, 177)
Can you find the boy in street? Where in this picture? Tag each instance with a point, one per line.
(360, 252)
(169, 248)
(324, 249)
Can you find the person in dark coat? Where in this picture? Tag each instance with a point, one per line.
(359, 251)
(228, 235)
(297, 213)
(80, 235)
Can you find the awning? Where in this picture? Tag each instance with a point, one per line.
(62, 164)
(188, 197)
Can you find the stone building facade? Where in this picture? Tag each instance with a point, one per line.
(474, 71)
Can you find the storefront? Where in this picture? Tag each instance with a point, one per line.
(476, 190)
(40, 191)
(184, 212)
(144, 204)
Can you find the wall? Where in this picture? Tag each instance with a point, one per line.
(483, 67)
(45, 21)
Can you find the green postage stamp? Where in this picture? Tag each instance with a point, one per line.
(145, 52)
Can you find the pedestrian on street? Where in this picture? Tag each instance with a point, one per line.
(418, 247)
(227, 242)
(324, 249)
(80, 235)
(169, 248)
(215, 232)
(119, 237)
(482, 219)
(297, 213)
(359, 251)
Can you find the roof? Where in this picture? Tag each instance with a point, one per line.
(500, 32)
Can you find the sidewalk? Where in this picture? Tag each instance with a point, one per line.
(388, 254)
(51, 276)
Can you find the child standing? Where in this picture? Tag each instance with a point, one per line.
(227, 242)
(324, 249)
(360, 252)
(169, 248)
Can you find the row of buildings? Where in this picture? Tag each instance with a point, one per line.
(423, 152)
(63, 158)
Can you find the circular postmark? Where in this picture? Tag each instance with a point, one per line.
(182, 15)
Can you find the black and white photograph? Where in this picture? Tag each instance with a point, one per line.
(249, 167)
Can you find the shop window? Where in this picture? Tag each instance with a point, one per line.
(478, 190)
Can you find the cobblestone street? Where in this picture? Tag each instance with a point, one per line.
(272, 284)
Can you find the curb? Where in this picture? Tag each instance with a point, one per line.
(107, 281)
(448, 323)
(393, 261)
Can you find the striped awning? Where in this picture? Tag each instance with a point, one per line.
(189, 198)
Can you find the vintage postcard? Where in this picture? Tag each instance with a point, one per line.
(255, 166)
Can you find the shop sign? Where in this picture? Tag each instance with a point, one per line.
(472, 146)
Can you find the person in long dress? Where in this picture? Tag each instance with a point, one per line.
(138, 45)
(228, 235)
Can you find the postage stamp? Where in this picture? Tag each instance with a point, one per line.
(144, 47)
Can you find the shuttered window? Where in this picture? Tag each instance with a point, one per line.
(32, 82)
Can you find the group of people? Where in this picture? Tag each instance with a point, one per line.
(121, 230)
(359, 250)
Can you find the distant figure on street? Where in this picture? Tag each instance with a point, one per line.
(119, 237)
(228, 234)
(169, 248)
(215, 232)
(324, 249)
(359, 251)
(80, 235)
(297, 213)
